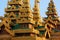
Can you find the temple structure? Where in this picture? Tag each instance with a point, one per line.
(52, 22)
(22, 23)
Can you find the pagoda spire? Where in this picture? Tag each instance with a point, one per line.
(36, 13)
(26, 12)
(52, 9)
(36, 6)
(36, 3)
(52, 21)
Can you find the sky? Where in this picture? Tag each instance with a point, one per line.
(43, 6)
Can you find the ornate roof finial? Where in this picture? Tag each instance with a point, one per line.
(36, 13)
(36, 2)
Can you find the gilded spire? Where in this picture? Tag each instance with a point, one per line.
(51, 9)
(36, 3)
(36, 12)
(27, 12)
(36, 6)
(51, 21)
